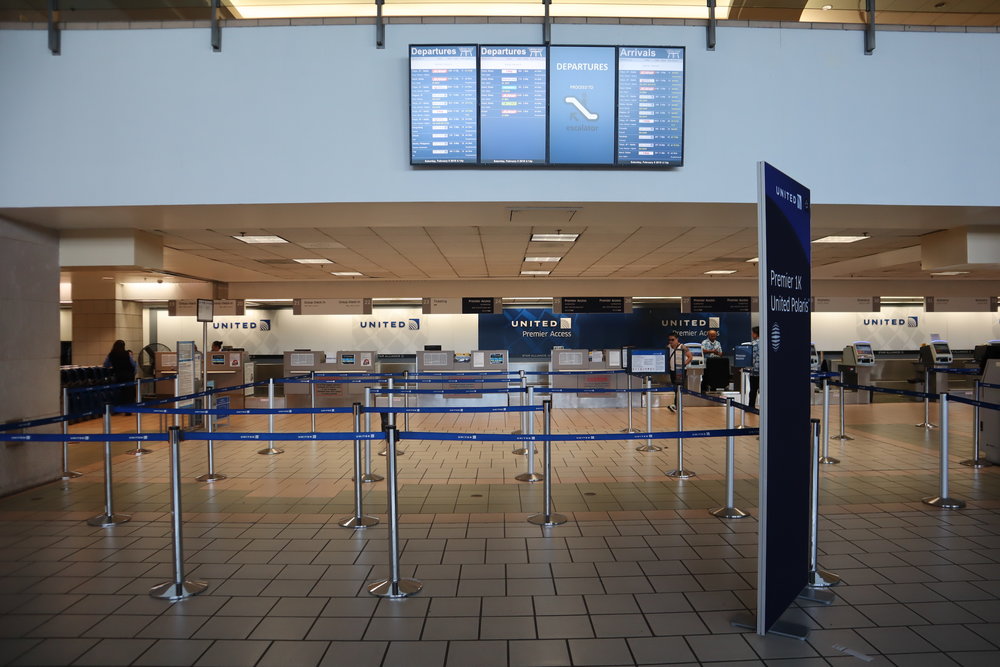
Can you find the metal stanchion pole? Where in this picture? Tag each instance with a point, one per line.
(531, 475)
(926, 423)
(384, 452)
(211, 475)
(680, 472)
(368, 476)
(524, 415)
(628, 402)
(177, 392)
(976, 461)
(817, 578)
(312, 399)
(138, 450)
(743, 413)
(529, 425)
(729, 510)
(942, 500)
(826, 458)
(648, 446)
(109, 518)
(360, 519)
(179, 588)
(547, 517)
(843, 430)
(270, 450)
(394, 586)
(406, 401)
(67, 473)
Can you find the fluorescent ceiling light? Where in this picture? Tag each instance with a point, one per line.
(345, 273)
(841, 239)
(720, 272)
(263, 238)
(313, 261)
(535, 273)
(753, 260)
(555, 238)
(948, 273)
(542, 259)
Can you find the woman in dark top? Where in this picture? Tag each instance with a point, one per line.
(120, 362)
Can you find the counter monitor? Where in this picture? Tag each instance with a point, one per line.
(347, 359)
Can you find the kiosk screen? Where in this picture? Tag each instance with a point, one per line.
(941, 347)
(864, 349)
(347, 359)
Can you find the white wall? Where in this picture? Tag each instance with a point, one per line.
(65, 324)
(316, 113)
(895, 329)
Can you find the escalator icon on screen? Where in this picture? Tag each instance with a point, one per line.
(572, 101)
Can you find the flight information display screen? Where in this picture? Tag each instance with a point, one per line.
(650, 106)
(443, 101)
(512, 104)
(582, 105)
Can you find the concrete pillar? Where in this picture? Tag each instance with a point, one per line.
(100, 317)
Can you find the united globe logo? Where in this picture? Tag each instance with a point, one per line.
(265, 325)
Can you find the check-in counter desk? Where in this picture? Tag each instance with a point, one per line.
(589, 360)
(463, 365)
(225, 369)
(897, 370)
(328, 395)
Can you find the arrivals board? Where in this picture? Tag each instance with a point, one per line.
(443, 100)
(512, 104)
(650, 106)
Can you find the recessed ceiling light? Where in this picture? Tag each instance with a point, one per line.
(826, 8)
(313, 261)
(948, 273)
(107, 277)
(345, 273)
(535, 273)
(841, 239)
(262, 238)
(542, 259)
(555, 238)
(720, 272)
(753, 260)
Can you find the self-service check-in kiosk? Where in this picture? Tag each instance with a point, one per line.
(226, 368)
(587, 360)
(305, 362)
(936, 354)
(856, 365)
(988, 357)
(813, 358)
(461, 366)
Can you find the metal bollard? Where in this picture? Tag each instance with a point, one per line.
(843, 430)
(368, 476)
(399, 452)
(67, 473)
(529, 426)
(109, 518)
(177, 392)
(976, 461)
(179, 588)
(360, 519)
(628, 402)
(211, 475)
(648, 446)
(394, 586)
(729, 510)
(826, 458)
(547, 517)
(270, 450)
(744, 374)
(312, 399)
(524, 415)
(942, 500)
(679, 472)
(138, 450)
(406, 401)
(817, 578)
(529, 449)
(926, 423)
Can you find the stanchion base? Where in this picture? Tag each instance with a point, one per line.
(529, 477)
(729, 513)
(103, 520)
(681, 474)
(971, 463)
(403, 588)
(828, 460)
(211, 477)
(780, 628)
(370, 478)
(820, 595)
(270, 451)
(842, 436)
(945, 503)
(550, 520)
(139, 451)
(399, 452)
(648, 448)
(630, 430)
(363, 521)
(925, 425)
(822, 579)
(517, 432)
(523, 451)
(72, 474)
(175, 591)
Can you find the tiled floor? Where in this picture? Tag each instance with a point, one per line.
(640, 575)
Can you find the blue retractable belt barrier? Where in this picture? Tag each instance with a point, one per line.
(48, 420)
(883, 390)
(572, 390)
(591, 372)
(969, 401)
(577, 437)
(504, 408)
(232, 411)
(745, 408)
(714, 399)
(820, 376)
(989, 385)
(955, 371)
(85, 437)
(255, 437)
(384, 392)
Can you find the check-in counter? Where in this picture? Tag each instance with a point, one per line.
(588, 360)
(303, 363)
(462, 365)
(225, 369)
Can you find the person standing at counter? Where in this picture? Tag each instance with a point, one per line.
(678, 358)
(216, 346)
(123, 367)
(711, 345)
(755, 366)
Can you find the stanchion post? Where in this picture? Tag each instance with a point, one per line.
(179, 588)
(384, 452)
(138, 450)
(826, 458)
(529, 448)
(109, 518)
(547, 517)
(67, 473)
(368, 476)
(843, 429)
(312, 399)
(943, 500)
(817, 578)
(359, 520)
(729, 510)
(976, 461)
(177, 392)
(648, 446)
(745, 401)
(270, 450)
(628, 403)
(527, 421)
(211, 475)
(680, 472)
(394, 586)
(524, 415)
(926, 423)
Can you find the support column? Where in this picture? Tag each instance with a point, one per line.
(100, 317)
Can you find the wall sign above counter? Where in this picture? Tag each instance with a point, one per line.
(467, 305)
(718, 304)
(575, 305)
(332, 306)
(189, 307)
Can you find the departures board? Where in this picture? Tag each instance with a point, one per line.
(525, 105)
